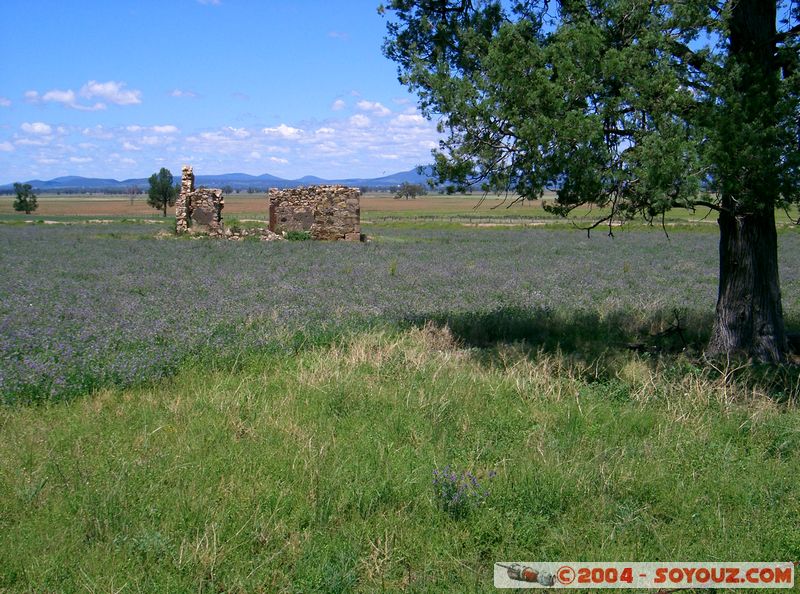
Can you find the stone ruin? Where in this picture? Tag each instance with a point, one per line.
(326, 212)
(198, 211)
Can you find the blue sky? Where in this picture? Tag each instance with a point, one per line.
(121, 88)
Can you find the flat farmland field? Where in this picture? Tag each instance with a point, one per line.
(376, 208)
(244, 205)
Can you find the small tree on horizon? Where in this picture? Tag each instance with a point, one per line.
(26, 199)
(408, 190)
(161, 193)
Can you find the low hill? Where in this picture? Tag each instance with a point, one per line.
(236, 181)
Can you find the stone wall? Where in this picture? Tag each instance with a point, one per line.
(327, 212)
(198, 211)
(187, 187)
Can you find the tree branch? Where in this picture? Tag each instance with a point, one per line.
(785, 35)
(685, 53)
(594, 225)
(695, 203)
(619, 132)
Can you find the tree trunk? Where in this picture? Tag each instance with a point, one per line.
(165, 208)
(749, 316)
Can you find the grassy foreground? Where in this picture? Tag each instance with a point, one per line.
(312, 471)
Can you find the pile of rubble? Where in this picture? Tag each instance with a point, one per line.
(237, 234)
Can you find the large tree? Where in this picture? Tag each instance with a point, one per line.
(637, 106)
(26, 199)
(161, 193)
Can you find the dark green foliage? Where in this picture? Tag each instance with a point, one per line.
(298, 235)
(604, 101)
(161, 193)
(634, 107)
(26, 199)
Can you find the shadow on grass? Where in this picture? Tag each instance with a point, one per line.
(583, 333)
(673, 338)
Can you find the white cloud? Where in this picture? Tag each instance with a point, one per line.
(409, 119)
(360, 121)
(338, 105)
(39, 128)
(329, 148)
(58, 96)
(373, 107)
(237, 132)
(66, 98)
(211, 136)
(169, 129)
(111, 91)
(209, 2)
(226, 142)
(355, 142)
(339, 35)
(96, 107)
(283, 131)
(44, 141)
(98, 132)
(273, 148)
(181, 93)
(5, 102)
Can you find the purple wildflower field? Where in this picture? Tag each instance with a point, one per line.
(84, 306)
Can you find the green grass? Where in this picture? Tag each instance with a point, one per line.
(311, 470)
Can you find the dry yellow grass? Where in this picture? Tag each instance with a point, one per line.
(100, 206)
(243, 205)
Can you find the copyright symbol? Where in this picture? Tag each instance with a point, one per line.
(566, 575)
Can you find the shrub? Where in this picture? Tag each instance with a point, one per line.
(298, 235)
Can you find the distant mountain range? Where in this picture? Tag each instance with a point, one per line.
(235, 181)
